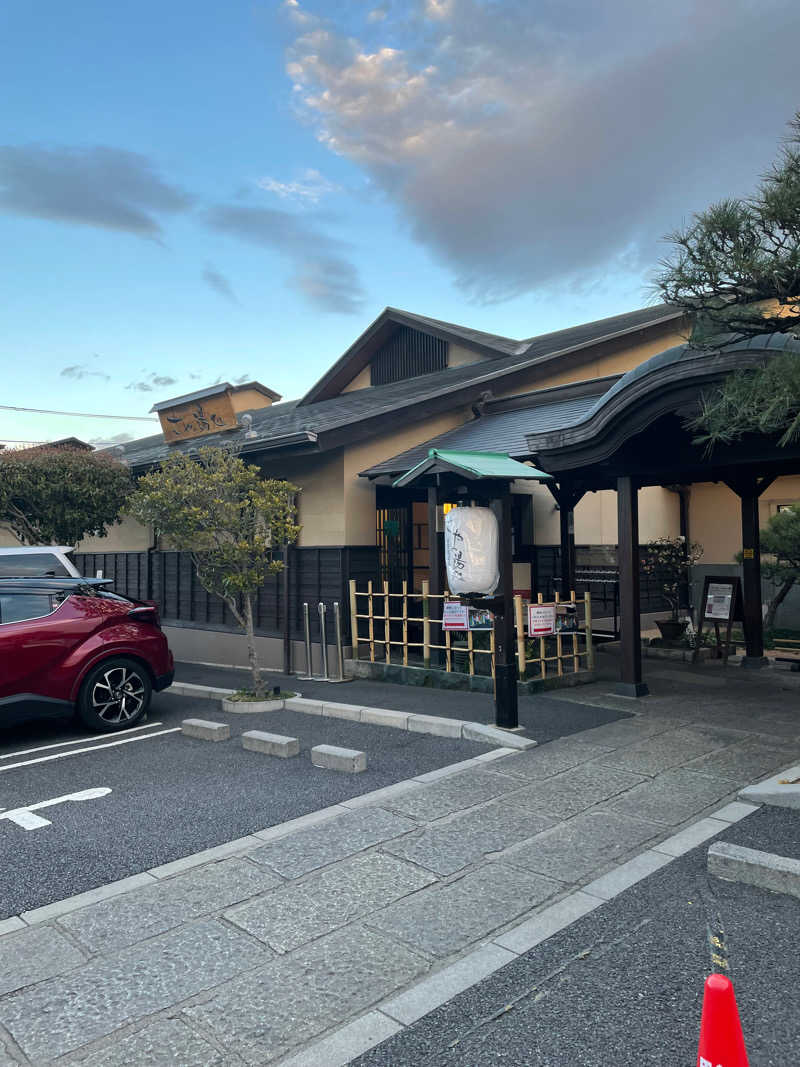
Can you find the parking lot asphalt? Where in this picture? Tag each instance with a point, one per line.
(624, 984)
(170, 795)
(543, 716)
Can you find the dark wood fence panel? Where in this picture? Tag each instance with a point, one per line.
(169, 578)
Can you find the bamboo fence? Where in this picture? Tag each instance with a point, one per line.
(404, 628)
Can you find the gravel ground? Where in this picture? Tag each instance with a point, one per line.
(624, 984)
(172, 796)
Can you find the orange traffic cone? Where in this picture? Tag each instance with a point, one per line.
(721, 1038)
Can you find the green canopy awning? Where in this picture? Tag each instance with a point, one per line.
(473, 466)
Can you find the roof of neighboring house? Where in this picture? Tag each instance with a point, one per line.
(328, 422)
(492, 346)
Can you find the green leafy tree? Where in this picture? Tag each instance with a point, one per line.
(780, 543)
(59, 495)
(229, 518)
(735, 269)
(668, 560)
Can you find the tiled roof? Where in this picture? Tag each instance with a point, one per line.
(504, 431)
(295, 422)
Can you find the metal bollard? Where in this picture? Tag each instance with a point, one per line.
(337, 614)
(307, 626)
(323, 636)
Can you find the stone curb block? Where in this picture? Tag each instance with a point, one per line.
(480, 732)
(8, 926)
(204, 730)
(385, 717)
(206, 692)
(346, 1044)
(271, 744)
(91, 896)
(766, 870)
(433, 724)
(770, 791)
(308, 707)
(331, 709)
(331, 758)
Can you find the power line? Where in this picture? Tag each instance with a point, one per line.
(78, 414)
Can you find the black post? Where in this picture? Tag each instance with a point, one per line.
(753, 622)
(630, 683)
(505, 663)
(435, 569)
(566, 521)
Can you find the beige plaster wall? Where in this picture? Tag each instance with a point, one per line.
(359, 493)
(361, 381)
(128, 535)
(459, 356)
(715, 516)
(614, 358)
(320, 503)
(596, 516)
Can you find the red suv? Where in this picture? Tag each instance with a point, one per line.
(70, 644)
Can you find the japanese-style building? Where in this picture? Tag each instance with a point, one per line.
(600, 407)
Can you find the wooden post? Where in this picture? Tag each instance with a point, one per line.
(434, 564)
(630, 683)
(749, 489)
(542, 645)
(353, 617)
(371, 623)
(387, 630)
(426, 624)
(587, 600)
(405, 624)
(520, 621)
(559, 642)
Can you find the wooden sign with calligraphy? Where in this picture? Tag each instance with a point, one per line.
(197, 418)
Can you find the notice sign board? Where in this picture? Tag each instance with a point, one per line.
(718, 601)
(721, 605)
(541, 620)
(457, 616)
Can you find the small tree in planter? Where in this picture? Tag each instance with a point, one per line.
(228, 517)
(780, 542)
(668, 559)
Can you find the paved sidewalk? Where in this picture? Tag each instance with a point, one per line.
(254, 956)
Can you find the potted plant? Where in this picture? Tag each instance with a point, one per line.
(668, 559)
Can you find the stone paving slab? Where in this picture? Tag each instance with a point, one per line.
(574, 849)
(627, 731)
(453, 793)
(544, 761)
(449, 917)
(57, 1016)
(335, 839)
(575, 790)
(166, 1041)
(34, 954)
(121, 921)
(672, 797)
(661, 751)
(278, 1007)
(295, 914)
(743, 761)
(450, 847)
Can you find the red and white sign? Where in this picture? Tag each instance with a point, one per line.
(455, 616)
(541, 620)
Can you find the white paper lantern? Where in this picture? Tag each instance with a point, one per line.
(471, 550)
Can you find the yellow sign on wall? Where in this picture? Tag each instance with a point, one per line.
(198, 417)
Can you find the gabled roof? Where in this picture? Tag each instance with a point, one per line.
(475, 466)
(347, 417)
(492, 346)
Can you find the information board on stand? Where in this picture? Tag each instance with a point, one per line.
(721, 605)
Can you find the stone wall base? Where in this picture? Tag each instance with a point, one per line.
(435, 679)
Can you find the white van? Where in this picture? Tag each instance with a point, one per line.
(37, 561)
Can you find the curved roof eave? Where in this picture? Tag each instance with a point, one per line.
(653, 389)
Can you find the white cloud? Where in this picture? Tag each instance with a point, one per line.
(310, 188)
(526, 144)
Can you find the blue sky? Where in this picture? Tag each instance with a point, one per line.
(200, 191)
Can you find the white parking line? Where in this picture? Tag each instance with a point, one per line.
(78, 741)
(28, 820)
(94, 748)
